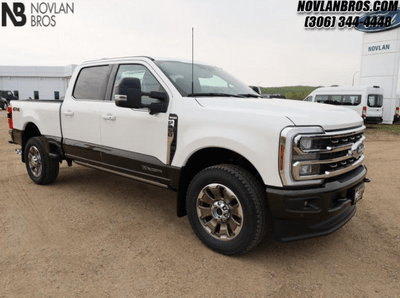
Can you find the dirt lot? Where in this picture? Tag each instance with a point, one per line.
(93, 234)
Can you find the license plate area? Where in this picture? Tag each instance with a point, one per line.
(358, 193)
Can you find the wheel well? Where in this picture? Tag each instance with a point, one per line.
(30, 131)
(206, 158)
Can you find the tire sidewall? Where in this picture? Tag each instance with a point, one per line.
(37, 142)
(248, 232)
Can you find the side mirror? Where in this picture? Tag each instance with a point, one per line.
(129, 93)
(256, 89)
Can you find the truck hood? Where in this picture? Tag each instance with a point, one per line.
(299, 112)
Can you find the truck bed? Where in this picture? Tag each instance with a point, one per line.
(45, 114)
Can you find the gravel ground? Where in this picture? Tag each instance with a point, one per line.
(93, 234)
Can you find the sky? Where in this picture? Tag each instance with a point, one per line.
(262, 42)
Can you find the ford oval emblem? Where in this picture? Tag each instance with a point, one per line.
(368, 28)
(357, 150)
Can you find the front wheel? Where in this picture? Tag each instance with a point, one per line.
(40, 167)
(4, 106)
(227, 210)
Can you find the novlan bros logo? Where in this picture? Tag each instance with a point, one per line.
(43, 14)
(18, 11)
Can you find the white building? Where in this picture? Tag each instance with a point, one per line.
(36, 82)
(380, 62)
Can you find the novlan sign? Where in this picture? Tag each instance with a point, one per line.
(371, 22)
(383, 47)
(18, 11)
(43, 14)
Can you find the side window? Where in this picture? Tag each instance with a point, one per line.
(147, 81)
(321, 98)
(91, 83)
(355, 100)
(308, 98)
(336, 99)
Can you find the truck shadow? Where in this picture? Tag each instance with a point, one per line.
(125, 195)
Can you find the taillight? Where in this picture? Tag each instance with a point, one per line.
(364, 112)
(397, 111)
(9, 116)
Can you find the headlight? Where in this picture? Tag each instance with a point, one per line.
(308, 155)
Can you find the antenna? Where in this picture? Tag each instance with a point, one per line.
(192, 61)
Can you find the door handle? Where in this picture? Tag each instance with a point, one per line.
(68, 113)
(109, 117)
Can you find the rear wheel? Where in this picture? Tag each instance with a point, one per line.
(226, 206)
(40, 167)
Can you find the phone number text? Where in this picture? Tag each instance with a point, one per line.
(346, 21)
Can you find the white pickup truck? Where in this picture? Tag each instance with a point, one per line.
(240, 164)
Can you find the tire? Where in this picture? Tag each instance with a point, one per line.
(4, 106)
(40, 167)
(227, 209)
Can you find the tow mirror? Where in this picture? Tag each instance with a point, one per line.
(129, 93)
(256, 89)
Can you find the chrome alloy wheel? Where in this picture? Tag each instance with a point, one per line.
(35, 161)
(219, 211)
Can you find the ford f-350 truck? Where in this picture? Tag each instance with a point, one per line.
(240, 164)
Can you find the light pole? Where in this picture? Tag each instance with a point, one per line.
(354, 76)
(258, 85)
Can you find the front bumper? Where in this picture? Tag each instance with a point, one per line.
(305, 213)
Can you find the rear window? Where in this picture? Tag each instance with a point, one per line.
(342, 100)
(375, 101)
(91, 83)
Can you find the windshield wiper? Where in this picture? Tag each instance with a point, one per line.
(250, 95)
(213, 94)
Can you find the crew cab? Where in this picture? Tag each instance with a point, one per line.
(240, 164)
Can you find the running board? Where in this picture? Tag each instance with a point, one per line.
(121, 174)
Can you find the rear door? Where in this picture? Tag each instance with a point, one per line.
(375, 103)
(80, 114)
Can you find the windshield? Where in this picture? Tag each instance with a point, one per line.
(207, 80)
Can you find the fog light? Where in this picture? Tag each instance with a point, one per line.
(308, 170)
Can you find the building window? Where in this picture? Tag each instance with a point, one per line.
(56, 95)
(36, 94)
(16, 94)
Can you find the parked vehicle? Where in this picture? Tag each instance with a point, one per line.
(396, 117)
(240, 163)
(282, 96)
(3, 103)
(8, 95)
(366, 101)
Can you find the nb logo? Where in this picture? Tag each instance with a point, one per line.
(16, 15)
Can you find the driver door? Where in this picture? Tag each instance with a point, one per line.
(134, 141)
